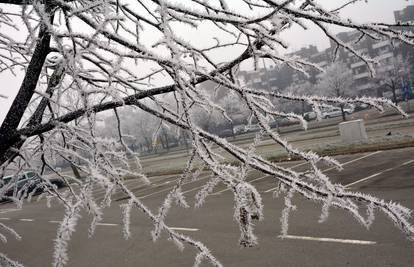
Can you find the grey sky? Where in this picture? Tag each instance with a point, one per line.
(374, 10)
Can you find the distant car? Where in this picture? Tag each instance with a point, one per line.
(26, 181)
(335, 112)
(311, 115)
(361, 106)
(239, 129)
(252, 128)
(226, 133)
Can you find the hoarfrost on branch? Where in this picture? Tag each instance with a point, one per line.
(81, 58)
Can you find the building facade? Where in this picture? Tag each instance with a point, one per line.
(385, 52)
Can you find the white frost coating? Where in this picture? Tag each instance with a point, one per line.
(64, 233)
(100, 62)
(126, 219)
(284, 219)
(6, 262)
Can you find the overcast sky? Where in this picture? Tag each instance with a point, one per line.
(374, 10)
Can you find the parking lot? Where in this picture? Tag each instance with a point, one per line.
(340, 241)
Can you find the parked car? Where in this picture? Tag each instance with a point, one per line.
(252, 128)
(239, 129)
(27, 181)
(335, 112)
(311, 115)
(226, 133)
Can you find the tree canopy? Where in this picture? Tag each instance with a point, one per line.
(81, 58)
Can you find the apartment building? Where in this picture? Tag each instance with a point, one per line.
(384, 51)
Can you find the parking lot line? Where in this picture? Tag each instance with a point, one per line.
(254, 180)
(26, 220)
(8, 210)
(107, 224)
(331, 168)
(184, 229)
(354, 160)
(326, 239)
(376, 174)
(170, 188)
(100, 224)
(408, 162)
(258, 179)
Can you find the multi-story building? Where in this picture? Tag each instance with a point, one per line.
(404, 15)
(383, 51)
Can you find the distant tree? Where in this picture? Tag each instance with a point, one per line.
(337, 82)
(304, 88)
(394, 78)
(82, 57)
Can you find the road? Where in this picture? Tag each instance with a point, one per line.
(340, 241)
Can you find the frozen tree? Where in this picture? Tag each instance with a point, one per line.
(337, 82)
(81, 57)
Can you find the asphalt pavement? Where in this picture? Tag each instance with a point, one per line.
(340, 241)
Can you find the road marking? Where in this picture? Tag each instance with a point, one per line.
(170, 188)
(184, 229)
(101, 224)
(366, 178)
(254, 180)
(153, 193)
(257, 179)
(271, 189)
(107, 224)
(325, 239)
(8, 210)
(5, 219)
(26, 220)
(357, 159)
(138, 181)
(376, 174)
(343, 164)
(408, 162)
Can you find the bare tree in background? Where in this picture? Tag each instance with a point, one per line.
(305, 88)
(337, 82)
(395, 76)
(83, 57)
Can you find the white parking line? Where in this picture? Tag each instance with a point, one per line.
(26, 220)
(170, 188)
(408, 162)
(271, 189)
(184, 229)
(100, 192)
(100, 224)
(254, 180)
(5, 219)
(8, 210)
(343, 164)
(325, 239)
(357, 159)
(378, 173)
(258, 179)
(107, 224)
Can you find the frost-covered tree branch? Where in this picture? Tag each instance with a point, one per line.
(83, 58)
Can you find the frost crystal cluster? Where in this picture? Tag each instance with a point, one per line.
(81, 58)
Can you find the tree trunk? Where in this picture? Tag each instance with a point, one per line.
(24, 95)
(394, 94)
(343, 113)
